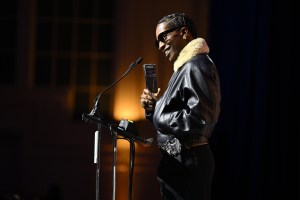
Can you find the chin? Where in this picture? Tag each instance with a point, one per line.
(171, 58)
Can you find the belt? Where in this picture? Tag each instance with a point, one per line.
(190, 141)
(174, 146)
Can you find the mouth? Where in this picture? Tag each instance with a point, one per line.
(167, 52)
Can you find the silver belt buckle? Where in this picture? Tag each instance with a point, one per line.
(172, 147)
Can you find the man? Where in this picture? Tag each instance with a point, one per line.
(186, 113)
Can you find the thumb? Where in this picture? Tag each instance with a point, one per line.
(156, 94)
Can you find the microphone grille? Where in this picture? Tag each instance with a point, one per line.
(139, 60)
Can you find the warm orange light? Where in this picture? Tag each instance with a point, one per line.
(123, 144)
(123, 155)
(127, 110)
(127, 101)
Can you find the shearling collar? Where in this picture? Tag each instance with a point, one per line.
(193, 48)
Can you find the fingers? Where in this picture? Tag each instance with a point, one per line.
(147, 103)
(158, 90)
(148, 99)
(147, 95)
(155, 95)
(143, 103)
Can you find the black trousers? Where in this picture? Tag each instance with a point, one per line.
(187, 176)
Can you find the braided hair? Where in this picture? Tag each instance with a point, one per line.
(180, 20)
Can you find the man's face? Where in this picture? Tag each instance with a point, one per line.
(169, 40)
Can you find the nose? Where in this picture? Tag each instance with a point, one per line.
(161, 45)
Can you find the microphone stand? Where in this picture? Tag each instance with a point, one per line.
(97, 157)
(131, 166)
(115, 131)
(95, 117)
(114, 142)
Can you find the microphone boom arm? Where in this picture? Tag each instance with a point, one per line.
(97, 99)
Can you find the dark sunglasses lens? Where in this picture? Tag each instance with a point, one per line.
(162, 35)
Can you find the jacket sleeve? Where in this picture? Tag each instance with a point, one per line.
(192, 106)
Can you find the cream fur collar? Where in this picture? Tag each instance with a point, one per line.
(193, 48)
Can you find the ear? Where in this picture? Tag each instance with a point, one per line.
(184, 32)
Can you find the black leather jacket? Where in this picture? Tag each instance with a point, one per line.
(191, 102)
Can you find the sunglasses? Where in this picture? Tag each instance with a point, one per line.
(163, 36)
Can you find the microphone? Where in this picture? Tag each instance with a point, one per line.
(138, 61)
(95, 116)
(97, 99)
(150, 77)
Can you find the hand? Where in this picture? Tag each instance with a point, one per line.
(148, 99)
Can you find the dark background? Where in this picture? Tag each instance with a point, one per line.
(47, 151)
(256, 142)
